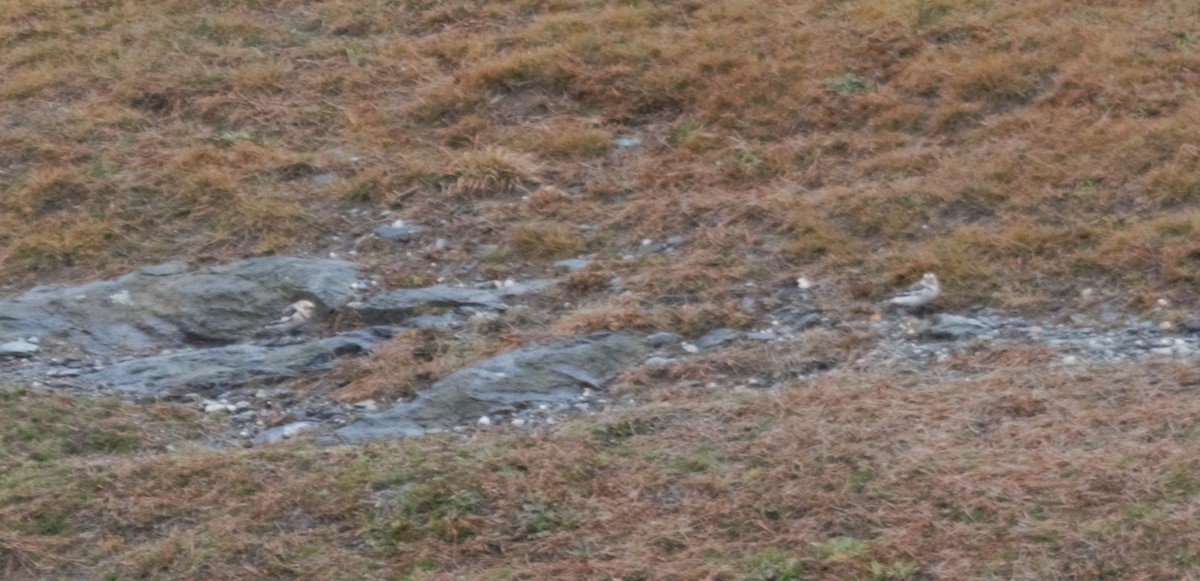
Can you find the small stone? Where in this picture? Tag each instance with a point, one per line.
(573, 264)
(34, 340)
(717, 338)
(214, 407)
(675, 240)
(400, 231)
(439, 244)
(1166, 326)
(689, 348)
(658, 361)
(1070, 360)
(1087, 292)
(1192, 326)
(325, 179)
(803, 283)
(285, 432)
(19, 348)
(762, 336)
(241, 405)
(244, 434)
(484, 421)
(1163, 302)
(518, 422)
(627, 141)
(663, 338)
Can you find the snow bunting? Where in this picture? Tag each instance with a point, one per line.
(294, 317)
(918, 295)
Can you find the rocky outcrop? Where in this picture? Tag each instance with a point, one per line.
(169, 306)
(523, 377)
(395, 306)
(232, 365)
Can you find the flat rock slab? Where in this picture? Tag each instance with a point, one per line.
(167, 305)
(233, 365)
(548, 373)
(395, 306)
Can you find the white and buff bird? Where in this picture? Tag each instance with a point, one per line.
(918, 295)
(295, 317)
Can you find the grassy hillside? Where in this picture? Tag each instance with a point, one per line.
(1015, 147)
(981, 469)
(1025, 150)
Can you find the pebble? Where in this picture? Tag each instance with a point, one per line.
(215, 407)
(19, 348)
(484, 421)
(518, 422)
(663, 338)
(658, 361)
(803, 283)
(689, 348)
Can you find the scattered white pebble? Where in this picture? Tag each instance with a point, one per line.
(518, 422)
(333, 255)
(647, 241)
(1070, 360)
(688, 347)
(440, 244)
(1087, 292)
(1163, 302)
(244, 434)
(1166, 325)
(33, 340)
(803, 283)
(509, 283)
(214, 407)
(485, 421)
(398, 224)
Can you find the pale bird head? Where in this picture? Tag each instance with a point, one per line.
(305, 308)
(930, 279)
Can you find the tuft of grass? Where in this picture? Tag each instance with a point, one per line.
(490, 171)
(546, 240)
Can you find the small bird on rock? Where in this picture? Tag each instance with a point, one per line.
(295, 316)
(918, 295)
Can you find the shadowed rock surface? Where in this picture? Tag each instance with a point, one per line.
(168, 306)
(395, 306)
(530, 375)
(233, 365)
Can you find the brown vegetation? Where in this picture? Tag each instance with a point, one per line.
(1022, 150)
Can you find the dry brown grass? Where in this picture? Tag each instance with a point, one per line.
(996, 466)
(1015, 147)
(1022, 150)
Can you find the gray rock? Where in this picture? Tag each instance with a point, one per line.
(627, 141)
(401, 233)
(287, 431)
(19, 348)
(573, 264)
(167, 306)
(946, 326)
(717, 338)
(762, 336)
(396, 306)
(1192, 326)
(663, 338)
(552, 373)
(675, 240)
(234, 365)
